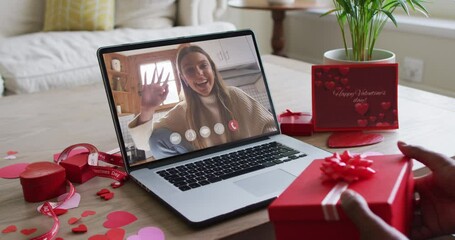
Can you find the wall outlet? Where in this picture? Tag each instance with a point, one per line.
(412, 69)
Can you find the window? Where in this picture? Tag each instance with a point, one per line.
(166, 66)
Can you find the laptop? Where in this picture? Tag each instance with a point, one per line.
(210, 148)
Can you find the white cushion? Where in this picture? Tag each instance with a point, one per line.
(42, 61)
(21, 16)
(145, 14)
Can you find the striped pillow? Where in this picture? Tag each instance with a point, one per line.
(79, 15)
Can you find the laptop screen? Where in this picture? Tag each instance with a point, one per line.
(178, 96)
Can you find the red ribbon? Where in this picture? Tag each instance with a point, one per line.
(92, 159)
(347, 167)
(289, 113)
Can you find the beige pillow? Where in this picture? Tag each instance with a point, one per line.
(145, 14)
(79, 15)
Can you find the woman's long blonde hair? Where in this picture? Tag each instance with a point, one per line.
(194, 103)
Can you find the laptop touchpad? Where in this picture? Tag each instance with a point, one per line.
(266, 183)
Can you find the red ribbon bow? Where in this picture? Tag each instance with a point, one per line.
(290, 113)
(347, 167)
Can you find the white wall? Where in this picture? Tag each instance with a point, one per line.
(308, 36)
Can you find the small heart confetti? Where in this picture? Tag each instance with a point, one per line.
(73, 220)
(60, 211)
(102, 191)
(107, 196)
(9, 229)
(79, 229)
(88, 213)
(28, 231)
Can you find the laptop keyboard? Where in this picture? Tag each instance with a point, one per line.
(210, 170)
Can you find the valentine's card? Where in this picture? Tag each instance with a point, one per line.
(355, 97)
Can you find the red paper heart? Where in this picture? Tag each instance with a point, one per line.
(60, 211)
(88, 213)
(9, 229)
(102, 191)
(79, 229)
(361, 108)
(119, 219)
(353, 139)
(107, 196)
(28, 231)
(13, 170)
(11, 152)
(98, 237)
(115, 234)
(73, 220)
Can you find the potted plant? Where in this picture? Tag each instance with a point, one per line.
(365, 20)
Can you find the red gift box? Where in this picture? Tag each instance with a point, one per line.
(310, 209)
(77, 168)
(42, 181)
(296, 123)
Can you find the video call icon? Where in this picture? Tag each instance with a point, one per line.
(190, 135)
(205, 131)
(233, 125)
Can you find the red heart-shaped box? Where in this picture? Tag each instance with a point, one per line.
(42, 181)
(77, 168)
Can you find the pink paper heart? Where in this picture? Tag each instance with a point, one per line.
(148, 233)
(119, 219)
(73, 202)
(13, 170)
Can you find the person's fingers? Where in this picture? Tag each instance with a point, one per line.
(432, 160)
(167, 78)
(369, 225)
(155, 76)
(160, 76)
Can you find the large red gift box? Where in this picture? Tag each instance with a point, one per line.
(42, 181)
(77, 168)
(310, 208)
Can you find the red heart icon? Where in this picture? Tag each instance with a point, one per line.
(361, 108)
(28, 231)
(385, 105)
(79, 229)
(344, 70)
(353, 139)
(88, 213)
(344, 81)
(119, 219)
(372, 119)
(9, 229)
(362, 122)
(381, 115)
(329, 85)
(318, 83)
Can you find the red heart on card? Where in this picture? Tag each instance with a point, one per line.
(119, 219)
(329, 85)
(385, 105)
(28, 231)
(344, 81)
(361, 108)
(79, 229)
(9, 229)
(353, 139)
(362, 122)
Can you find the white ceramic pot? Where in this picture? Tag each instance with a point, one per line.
(338, 56)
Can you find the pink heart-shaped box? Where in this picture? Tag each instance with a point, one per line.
(42, 181)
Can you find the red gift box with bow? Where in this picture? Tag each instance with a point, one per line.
(296, 123)
(310, 208)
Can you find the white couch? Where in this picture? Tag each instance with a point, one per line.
(32, 60)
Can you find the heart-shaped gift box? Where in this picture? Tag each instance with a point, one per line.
(42, 181)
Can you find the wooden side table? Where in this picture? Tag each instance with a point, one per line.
(278, 15)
